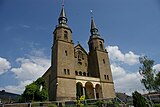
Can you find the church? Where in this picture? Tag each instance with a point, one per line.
(75, 72)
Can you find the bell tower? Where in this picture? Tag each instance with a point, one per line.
(99, 65)
(62, 61)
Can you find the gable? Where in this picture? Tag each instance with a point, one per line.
(78, 47)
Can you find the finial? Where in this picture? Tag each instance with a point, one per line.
(78, 42)
(91, 12)
(62, 3)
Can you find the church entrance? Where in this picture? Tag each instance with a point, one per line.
(79, 90)
(89, 90)
(98, 91)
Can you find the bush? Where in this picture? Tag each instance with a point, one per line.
(156, 105)
(99, 103)
(138, 100)
(52, 105)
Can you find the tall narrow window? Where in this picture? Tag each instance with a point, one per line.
(76, 72)
(66, 53)
(68, 72)
(108, 77)
(105, 77)
(101, 45)
(65, 35)
(65, 72)
(103, 61)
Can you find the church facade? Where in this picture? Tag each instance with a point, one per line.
(75, 72)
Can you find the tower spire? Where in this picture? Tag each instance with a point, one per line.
(93, 30)
(62, 18)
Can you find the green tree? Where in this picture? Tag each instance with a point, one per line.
(36, 91)
(138, 100)
(28, 94)
(147, 72)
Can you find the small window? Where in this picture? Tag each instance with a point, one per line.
(101, 45)
(65, 35)
(84, 74)
(80, 73)
(68, 72)
(103, 61)
(66, 53)
(76, 72)
(88, 74)
(105, 77)
(108, 77)
(65, 72)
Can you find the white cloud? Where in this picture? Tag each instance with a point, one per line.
(157, 68)
(126, 82)
(31, 68)
(128, 58)
(18, 89)
(117, 71)
(4, 65)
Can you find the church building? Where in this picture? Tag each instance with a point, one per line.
(75, 72)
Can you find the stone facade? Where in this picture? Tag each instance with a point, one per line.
(73, 71)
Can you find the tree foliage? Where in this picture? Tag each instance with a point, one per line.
(150, 79)
(157, 82)
(138, 100)
(146, 70)
(36, 91)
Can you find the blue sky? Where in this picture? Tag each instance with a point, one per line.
(130, 29)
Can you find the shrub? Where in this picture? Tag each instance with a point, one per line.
(156, 105)
(138, 100)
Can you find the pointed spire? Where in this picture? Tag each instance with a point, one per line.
(62, 14)
(94, 30)
(62, 18)
(93, 25)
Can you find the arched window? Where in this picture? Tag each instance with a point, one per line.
(66, 53)
(76, 72)
(101, 45)
(65, 35)
(84, 74)
(80, 73)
